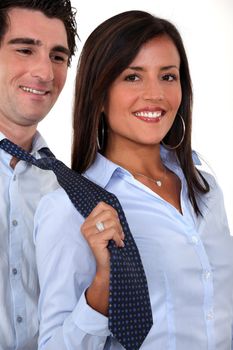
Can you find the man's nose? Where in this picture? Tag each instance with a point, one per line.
(43, 69)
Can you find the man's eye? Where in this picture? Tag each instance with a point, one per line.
(132, 77)
(58, 58)
(25, 51)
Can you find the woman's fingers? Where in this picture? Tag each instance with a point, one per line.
(103, 218)
(104, 228)
(101, 226)
(102, 238)
(102, 206)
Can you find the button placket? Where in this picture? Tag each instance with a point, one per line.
(207, 275)
(14, 222)
(14, 271)
(194, 239)
(19, 319)
(210, 315)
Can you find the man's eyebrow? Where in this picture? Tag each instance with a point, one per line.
(27, 41)
(30, 41)
(62, 49)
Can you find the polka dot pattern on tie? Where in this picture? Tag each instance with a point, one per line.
(130, 316)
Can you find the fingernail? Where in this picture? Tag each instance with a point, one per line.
(122, 244)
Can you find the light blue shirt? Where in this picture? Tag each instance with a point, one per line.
(20, 191)
(188, 262)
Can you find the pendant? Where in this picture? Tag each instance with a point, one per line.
(158, 183)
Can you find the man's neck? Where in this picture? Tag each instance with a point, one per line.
(22, 136)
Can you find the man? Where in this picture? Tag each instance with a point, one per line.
(37, 41)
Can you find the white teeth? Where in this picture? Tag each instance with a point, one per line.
(148, 114)
(33, 91)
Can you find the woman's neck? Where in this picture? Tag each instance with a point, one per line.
(141, 159)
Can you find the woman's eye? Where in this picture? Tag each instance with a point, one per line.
(169, 77)
(132, 78)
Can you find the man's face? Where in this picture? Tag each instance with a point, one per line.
(33, 67)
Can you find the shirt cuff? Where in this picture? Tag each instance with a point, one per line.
(89, 320)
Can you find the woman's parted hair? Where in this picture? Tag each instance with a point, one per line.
(109, 50)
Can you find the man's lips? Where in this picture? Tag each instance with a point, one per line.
(34, 91)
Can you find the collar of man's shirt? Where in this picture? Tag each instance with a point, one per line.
(102, 170)
(37, 143)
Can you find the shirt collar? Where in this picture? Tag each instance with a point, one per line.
(102, 170)
(171, 158)
(37, 143)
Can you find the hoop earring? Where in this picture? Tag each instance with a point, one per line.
(182, 138)
(100, 134)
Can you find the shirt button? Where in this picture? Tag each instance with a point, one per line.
(207, 275)
(210, 315)
(19, 319)
(14, 222)
(14, 271)
(14, 178)
(194, 239)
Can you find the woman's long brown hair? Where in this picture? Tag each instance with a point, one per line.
(109, 50)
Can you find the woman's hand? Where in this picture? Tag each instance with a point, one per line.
(99, 227)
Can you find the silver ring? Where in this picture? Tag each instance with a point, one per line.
(100, 226)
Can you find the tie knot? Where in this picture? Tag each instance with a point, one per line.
(46, 163)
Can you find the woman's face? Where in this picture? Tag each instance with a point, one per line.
(143, 101)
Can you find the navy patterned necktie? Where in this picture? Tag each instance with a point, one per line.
(130, 316)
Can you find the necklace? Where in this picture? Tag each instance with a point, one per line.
(157, 182)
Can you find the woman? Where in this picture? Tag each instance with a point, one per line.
(132, 136)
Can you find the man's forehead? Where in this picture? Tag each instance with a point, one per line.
(26, 23)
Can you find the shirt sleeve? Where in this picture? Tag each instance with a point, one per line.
(66, 268)
(214, 206)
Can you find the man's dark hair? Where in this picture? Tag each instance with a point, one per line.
(60, 9)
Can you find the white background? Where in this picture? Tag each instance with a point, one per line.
(206, 27)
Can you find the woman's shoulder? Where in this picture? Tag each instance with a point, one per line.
(56, 222)
(56, 200)
(205, 170)
(213, 200)
(210, 178)
(56, 209)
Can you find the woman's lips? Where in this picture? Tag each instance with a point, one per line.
(150, 116)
